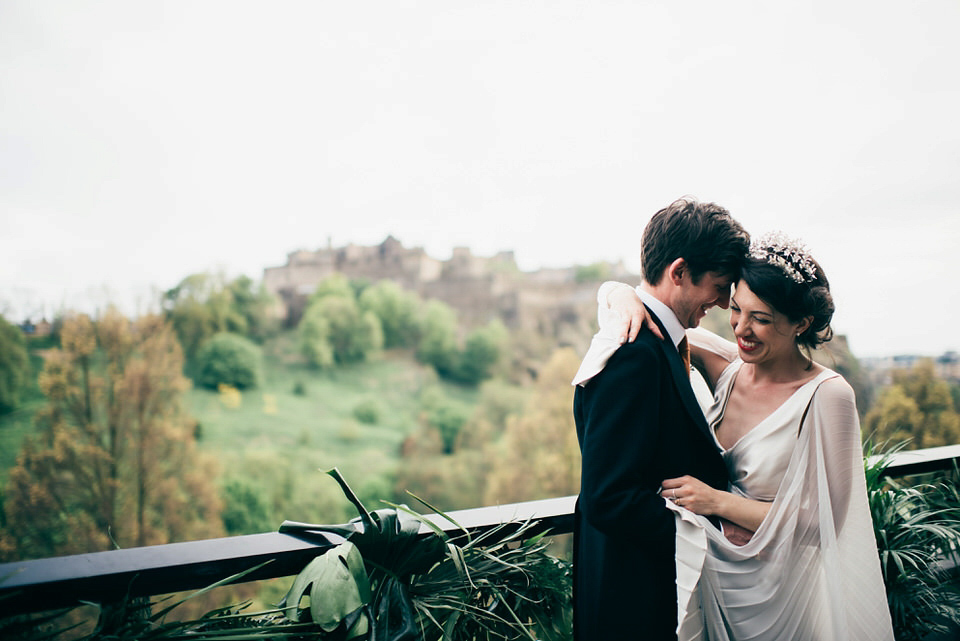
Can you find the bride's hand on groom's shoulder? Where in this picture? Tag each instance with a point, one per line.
(632, 315)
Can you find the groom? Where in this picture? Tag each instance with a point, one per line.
(638, 423)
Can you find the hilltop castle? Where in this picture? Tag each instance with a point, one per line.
(559, 303)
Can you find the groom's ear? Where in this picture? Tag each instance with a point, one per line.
(676, 270)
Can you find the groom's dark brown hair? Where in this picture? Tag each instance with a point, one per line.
(705, 235)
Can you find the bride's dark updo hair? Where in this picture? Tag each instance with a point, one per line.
(795, 289)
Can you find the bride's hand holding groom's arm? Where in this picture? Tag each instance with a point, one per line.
(700, 498)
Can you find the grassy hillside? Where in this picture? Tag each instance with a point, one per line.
(301, 420)
(273, 442)
(277, 437)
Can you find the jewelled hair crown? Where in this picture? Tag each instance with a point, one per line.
(788, 254)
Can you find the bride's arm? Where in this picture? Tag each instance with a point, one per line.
(619, 310)
(700, 498)
(833, 413)
(708, 351)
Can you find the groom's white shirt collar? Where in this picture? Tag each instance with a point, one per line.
(665, 314)
(607, 340)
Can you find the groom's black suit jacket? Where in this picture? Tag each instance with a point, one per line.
(638, 423)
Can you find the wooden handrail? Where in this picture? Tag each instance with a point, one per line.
(102, 577)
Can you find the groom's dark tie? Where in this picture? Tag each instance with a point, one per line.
(684, 348)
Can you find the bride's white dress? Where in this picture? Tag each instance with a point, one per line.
(811, 571)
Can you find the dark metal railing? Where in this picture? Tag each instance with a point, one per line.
(102, 577)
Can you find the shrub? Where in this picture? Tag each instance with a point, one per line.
(447, 419)
(228, 359)
(438, 341)
(367, 412)
(398, 311)
(245, 509)
(335, 329)
(314, 332)
(483, 349)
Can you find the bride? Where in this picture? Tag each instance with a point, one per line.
(804, 565)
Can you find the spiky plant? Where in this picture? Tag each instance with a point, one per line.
(385, 583)
(918, 537)
(501, 584)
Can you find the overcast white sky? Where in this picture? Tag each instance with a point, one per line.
(144, 141)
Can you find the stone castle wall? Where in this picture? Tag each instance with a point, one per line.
(549, 302)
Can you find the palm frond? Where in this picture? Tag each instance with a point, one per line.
(917, 528)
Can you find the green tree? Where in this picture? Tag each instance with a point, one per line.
(204, 304)
(538, 455)
(894, 417)
(917, 406)
(437, 462)
(499, 400)
(354, 334)
(14, 366)
(483, 349)
(334, 285)
(246, 509)
(447, 419)
(198, 307)
(439, 347)
(398, 311)
(438, 340)
(314, 336)
(228, 359)
(113, 458)
(258, 307)
(335, 329)
(595, 272)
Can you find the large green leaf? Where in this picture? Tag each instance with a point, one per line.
(388, 538)
(338, 587)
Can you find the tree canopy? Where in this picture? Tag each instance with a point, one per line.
(398, 310)
(113, 461)
(14, 366)
(228, 359)
(335, 329)
(917, 407)
(538, 455)
(204, 304)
